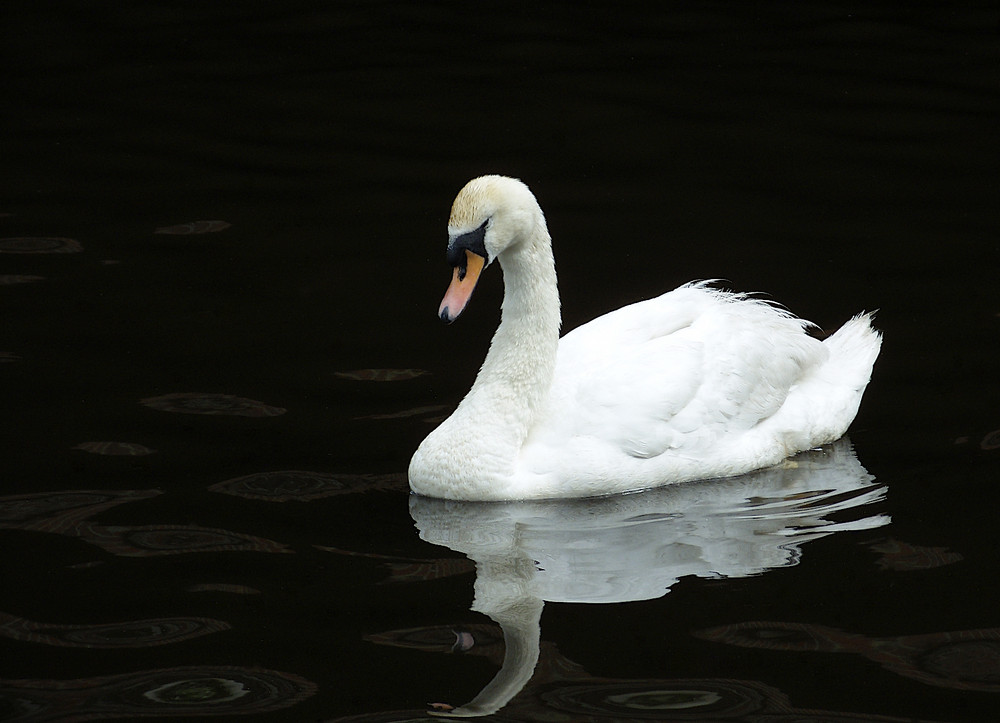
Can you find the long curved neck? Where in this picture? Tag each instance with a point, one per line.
(504, 592)
(515, 378)
(522, 354)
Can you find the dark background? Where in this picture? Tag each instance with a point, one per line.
(837, 156)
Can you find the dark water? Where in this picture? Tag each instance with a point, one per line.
(839, 156)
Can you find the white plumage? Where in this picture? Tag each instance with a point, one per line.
(697, 383)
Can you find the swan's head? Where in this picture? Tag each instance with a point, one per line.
(490, 215)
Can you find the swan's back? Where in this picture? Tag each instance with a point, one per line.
(695, 383)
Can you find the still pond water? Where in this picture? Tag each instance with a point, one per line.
(222, 251)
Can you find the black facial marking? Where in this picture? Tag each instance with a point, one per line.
(474, 241)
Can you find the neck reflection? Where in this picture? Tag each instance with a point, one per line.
(636, 546)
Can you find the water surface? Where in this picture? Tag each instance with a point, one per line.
(204, 509)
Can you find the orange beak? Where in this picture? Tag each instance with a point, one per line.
(463, 283)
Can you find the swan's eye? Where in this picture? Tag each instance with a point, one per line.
(474, 241)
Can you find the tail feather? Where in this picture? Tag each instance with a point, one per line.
(853, 350)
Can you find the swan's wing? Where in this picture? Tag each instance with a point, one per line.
(676, 372)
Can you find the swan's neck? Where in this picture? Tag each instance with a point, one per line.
(514, 381)
(522, 353)
(473, 454)
(506, 592)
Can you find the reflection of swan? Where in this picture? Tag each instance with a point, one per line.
(695, 384)
(634, 547)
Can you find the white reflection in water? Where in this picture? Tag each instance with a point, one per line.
(636, 546)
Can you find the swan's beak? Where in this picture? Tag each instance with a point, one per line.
(463, 282)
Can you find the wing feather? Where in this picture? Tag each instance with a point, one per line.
(676, 372)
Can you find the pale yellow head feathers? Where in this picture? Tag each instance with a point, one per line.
(506, 203)
(477, 201)
(483, 197)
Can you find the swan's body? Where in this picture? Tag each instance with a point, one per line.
(695, 384)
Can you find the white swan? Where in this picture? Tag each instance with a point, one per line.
(697, 383)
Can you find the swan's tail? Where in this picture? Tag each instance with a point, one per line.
(823, 406)
(853, 350)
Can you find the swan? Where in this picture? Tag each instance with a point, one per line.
(698, 383)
